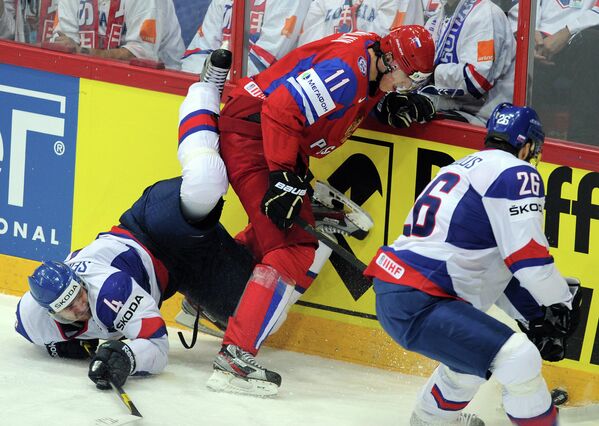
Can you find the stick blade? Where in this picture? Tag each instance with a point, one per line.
(119, 419)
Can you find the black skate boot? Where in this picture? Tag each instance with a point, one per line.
(216, 68)
(237, 371)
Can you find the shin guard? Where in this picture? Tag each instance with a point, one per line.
(266, 298)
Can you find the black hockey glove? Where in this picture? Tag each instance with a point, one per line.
(284, 198)
(74, 349)
(114, 362)
(551, 332)
(401, 110)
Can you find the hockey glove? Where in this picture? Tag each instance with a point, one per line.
(284, 198)
(551, 332)
(74, 349)
(114, 362)
(399, 110)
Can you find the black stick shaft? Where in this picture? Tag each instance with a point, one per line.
(341, 251)
(118, 389)
(126, 400)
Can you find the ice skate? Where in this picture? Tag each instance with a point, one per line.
(236, 371)
(187, 317)
(216, 68)
(464, 419)
(334, 213)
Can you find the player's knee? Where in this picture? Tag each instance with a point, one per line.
(293, 261)
(204, 183)
(517, 365)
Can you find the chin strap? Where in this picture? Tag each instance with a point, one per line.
(380, 56)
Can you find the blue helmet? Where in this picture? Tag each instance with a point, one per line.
(54, 286)
(516, 126)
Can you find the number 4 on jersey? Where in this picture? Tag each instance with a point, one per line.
(115, 305)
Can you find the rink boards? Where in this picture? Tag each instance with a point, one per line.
(75, 153)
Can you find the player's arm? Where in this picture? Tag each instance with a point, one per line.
(208, 37)
(123, 305)
(279, 33)
(482, 50)
(300, 102)
(514, 203)
(39, 328)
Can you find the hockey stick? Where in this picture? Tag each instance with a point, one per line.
(134, 415)
(341, 251)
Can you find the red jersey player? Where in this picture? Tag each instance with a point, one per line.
(306, 104)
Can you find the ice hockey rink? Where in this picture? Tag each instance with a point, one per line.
(38, 390)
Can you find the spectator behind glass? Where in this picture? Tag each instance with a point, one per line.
(274, 28)
(327, 17)
(121, 29)
(7, 19)
(566, 60)
(430, 7)
(34, 20)
(475, 52)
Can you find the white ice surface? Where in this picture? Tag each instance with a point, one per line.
(38, 390)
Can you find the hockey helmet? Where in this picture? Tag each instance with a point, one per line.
(412, 49)
(54, 286)
(516, 126)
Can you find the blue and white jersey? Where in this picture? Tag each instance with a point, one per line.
(476, 226)
(125, 285)
(474, 59)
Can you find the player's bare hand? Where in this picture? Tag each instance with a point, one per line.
(539, 45)
(553, 44)
(62, 38)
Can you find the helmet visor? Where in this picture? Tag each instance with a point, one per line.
(71, 305)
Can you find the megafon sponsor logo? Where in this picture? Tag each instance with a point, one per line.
(37, 162)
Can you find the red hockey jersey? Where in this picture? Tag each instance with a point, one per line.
(313, 98)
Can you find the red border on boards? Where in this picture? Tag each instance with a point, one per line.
(117, 72)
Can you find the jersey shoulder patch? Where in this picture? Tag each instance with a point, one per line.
(115, 291)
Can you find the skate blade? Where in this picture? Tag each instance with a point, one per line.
(188, 320)
(222, 381)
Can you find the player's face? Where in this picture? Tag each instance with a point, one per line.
(78, 310)
(396, 80)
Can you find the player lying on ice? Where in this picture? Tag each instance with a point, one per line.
(475, 238)
(113, 288)
(306, 104)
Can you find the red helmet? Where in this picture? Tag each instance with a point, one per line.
(412, 48)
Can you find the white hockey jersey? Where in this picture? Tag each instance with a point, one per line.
(477, 225)
(554, 15)
(274, 27)
(124, 294)
(150, 30)
(475, 60)
(326, 17)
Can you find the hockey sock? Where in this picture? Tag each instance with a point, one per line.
(446, 394)
(265, 299)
